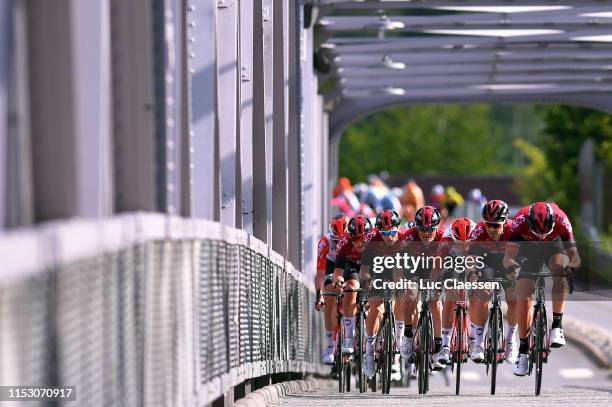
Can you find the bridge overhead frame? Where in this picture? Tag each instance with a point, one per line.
(197, 108)
(376, 54)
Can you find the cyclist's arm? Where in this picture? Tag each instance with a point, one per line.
(512, 250)
(319, 279)
(574, 257)
(364, 272)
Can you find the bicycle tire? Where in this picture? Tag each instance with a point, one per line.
(373, 384)
(495, 336)
(459, 352)
(539, 349)
(347, 378)
(359, 354)
(386, 355)
(339, 355)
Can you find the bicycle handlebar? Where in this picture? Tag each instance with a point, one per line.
(568, 274)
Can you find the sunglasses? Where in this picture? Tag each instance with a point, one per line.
(425, 230)
(494, 225)
(389, 233)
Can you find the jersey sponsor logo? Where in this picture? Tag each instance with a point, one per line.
(516, 222)
(565, 222)
(476, 233)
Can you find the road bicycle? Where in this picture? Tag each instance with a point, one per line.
(424, 343)
(539, 346)
(385, 347)
(495, 341)
(459, 345)
(341, 360)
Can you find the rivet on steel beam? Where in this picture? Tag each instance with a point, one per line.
(245, 73)
(265, 13)
(222, 3)
(170, 122)
(192, 55)
(192, 24)
(170, 144)
(191, 7)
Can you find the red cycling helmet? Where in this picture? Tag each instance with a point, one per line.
(387, 219)
(461, 228)
(338, 225)
(541, 218)
(427, 219)
(495, 211)
(359, 226)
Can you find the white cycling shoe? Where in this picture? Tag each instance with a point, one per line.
(443, 356)
(477, 354)
(521, 366)
(369, 366)
(511, 352)
(556, 338)
(396, 369)
(347, 346)
(406, 348)
(328, 356)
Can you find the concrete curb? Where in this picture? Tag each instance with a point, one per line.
(272, 394)
(595, 342)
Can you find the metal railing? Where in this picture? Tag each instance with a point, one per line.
(148, 309)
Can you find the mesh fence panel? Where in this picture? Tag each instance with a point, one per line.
(172, 321)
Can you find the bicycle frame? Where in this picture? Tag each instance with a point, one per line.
(459, 337)
(424, 342)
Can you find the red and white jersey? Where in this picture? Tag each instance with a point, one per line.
(326, 250)
(346, 251)
(479, 234)
(411, 241)
(520, 231)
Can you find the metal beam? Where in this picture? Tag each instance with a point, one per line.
(449, 93)
(281, 127)
(351, 110)
(426, 4)
(19, 202)
(6, 55)
(339, 46)
(577, 54)
(262, 120)
(245, 143)
(133, 106)
(419, 81)
(201, 38)
(227, 106)
(483, 21)
(485, 68)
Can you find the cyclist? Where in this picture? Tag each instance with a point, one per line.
(540, 222)
(417, 240)
(384, 241)
(346, 272)
(326, 260)
(489, 241)
(455, 244)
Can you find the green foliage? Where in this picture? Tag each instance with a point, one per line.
(566, 129)
(425, 139)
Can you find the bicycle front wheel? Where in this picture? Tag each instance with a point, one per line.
(387, 355)
(339, 356)
(540, 319)
(495, 335)
(459, 351)
(361, 382)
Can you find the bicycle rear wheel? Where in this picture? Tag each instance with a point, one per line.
(347, 378)
(539, 348)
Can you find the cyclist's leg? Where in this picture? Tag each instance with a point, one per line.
(372, 326)
(478, 312)
(448, 314)
(349, 305)
(330, 302)
(512, 321)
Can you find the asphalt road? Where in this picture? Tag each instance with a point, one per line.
(570, 377)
